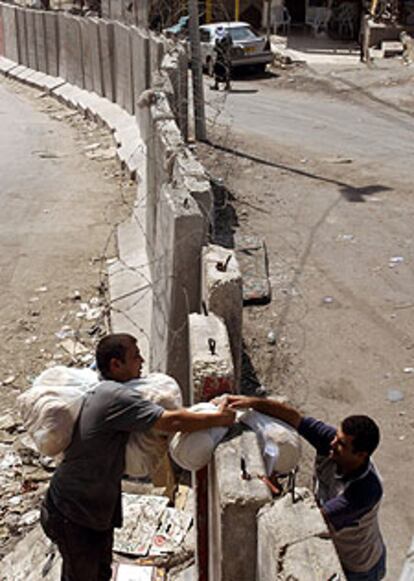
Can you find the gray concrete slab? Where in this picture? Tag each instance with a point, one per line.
(31, 39)
(6, 65)
(130, 284)
(222, 292)
(140, 62)
(40, 32)
(176, 244)
(86, 28)
(10, 32)
(71, 49)
(68, 94)
(106, 41)
(22, 36)
(1, 31)
(234, 504)
(293, 541)
(124, 90)
(95, 49)
(52, 43)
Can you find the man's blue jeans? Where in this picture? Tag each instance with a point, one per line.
(375, 574)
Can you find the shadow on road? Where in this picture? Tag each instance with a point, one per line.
(349, 192)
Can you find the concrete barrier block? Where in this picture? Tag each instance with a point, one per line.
(222, 292)
(189, 172)
(156, 47)
(140, 60)
(211, 362)
(176, 285)
(1, 31)
(141, 10)
(96, 57)
(291, 543)
(40, 33)
(70, 39)
(106, 9)
(234, 504)
(88, 29)
(10, 32)
(52, 43)
(106, 45)
(22, 36)
(124, 90)
(31, 39)
(116, 10)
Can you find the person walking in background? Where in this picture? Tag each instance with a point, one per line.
(222, 65)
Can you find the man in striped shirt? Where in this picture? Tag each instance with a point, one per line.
(347, 485)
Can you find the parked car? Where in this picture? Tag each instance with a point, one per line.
(249, 49)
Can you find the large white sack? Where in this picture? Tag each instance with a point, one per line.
(145, 450)
(280, 443)
(49, 409)
(194, 450)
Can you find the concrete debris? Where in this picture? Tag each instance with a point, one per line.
(74, 348)
(9, 380)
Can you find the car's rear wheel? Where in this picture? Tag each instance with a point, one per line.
(260, 68)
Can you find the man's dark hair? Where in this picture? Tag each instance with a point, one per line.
(112, 346)
(365, 432)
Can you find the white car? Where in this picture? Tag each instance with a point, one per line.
(249, 49)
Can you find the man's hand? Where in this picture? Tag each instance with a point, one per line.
(184, 420)
(270, 407)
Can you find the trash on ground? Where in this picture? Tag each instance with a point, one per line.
(328, 300)
(395, 395)
(408, 369)
(271, 338)
(395, 261)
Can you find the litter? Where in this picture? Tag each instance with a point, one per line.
(328, 300)
(65, 332)
(9, 380)
(395, 261)
(408, 369)
(395, 395)
(41, 289)
(30, 518)
(271, 338)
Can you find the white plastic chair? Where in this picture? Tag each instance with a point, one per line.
(280, 18)
(318, 19)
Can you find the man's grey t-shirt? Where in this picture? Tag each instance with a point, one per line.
(86, 486)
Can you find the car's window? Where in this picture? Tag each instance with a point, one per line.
(204, 35)
(242, 33)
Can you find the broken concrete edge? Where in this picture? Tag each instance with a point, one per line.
(119, 122)
(293, 539)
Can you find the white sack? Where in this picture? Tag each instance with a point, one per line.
(194, 450)
(280, 443)
(145, 450)
(49, 409)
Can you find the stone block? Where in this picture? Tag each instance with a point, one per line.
(10, 32)
(22, 36)
(211, 362)
(70, 43)
(31, 39)
(90, 41)
(52, 43)
(140, 60)
(234, 504)
(176, 284)
(124, 90)
(106, 45)
(189, 172)
(1, 31)
(293, 542)
(40, 33)
(222, 292)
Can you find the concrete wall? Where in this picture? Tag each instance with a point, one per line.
(124, 85)
(31, 39)
(293, 542)
(52, 43)
(22, 37)
(40, 35)
(106, 45)
(10, 33)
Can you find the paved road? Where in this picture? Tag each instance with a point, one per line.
(332, 196)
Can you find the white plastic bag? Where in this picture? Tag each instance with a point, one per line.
(280, 443)
(194, 450)
(50, 408)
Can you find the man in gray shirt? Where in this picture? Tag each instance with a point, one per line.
(83, 503)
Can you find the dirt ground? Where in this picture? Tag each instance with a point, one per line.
(61, 204)
(338, 232)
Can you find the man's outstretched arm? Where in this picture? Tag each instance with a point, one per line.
(270, 407)
(184, 420)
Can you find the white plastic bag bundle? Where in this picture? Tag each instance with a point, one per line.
(194, 450)
(145, 450)
(280, 443)
(49, 409)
